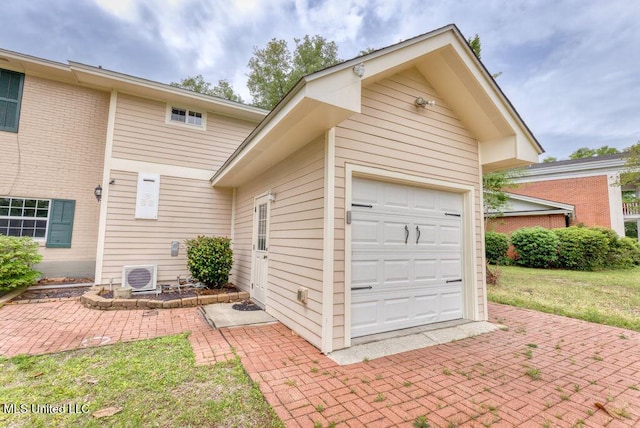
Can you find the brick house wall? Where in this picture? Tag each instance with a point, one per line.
(589, 195)
(509, 224)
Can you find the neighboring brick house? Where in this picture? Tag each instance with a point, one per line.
(580, 191)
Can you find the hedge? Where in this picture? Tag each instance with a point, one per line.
(535, 247)
(496, 245)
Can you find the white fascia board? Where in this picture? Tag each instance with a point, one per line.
(539, 201)
(574, 170)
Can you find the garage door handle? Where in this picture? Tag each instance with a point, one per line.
(406, 233)
(418, 232)
(449, 281)
(362, 205)
(368, 287)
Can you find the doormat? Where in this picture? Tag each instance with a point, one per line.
(247, 305)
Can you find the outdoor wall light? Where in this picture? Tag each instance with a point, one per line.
(359, 69)
(97, 192)
(271, 196)
(421, 102)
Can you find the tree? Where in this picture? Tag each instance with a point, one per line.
(631, 173)
(495, 196)
(476, 47)
(585, 152)
(606, 150)
(274, 70)
(549, 159)
(224, 90)
(197, 84)
(582, 153)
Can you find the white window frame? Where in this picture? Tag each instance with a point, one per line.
(40, 239)
(188, 111)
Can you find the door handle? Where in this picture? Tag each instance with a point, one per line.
(264, 257)
(418, 233)
(406, 233)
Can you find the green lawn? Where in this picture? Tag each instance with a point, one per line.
(607, 297)
(155, 382)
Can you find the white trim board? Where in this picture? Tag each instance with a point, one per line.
(328, 256)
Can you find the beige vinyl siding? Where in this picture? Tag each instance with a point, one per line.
(393, 134)
(187, 208)
(58, 153)
(295, 238)
(141, 133)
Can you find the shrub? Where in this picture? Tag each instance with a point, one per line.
(209, 259)
(626, 253)
(535, 247)
(17, 257)
(582, 248)
(495, 247)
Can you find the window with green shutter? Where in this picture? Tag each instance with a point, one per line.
(10, 98)
(60, 223)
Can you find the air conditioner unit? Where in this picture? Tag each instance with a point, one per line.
(140, 277)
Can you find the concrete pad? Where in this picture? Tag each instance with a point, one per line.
(223, 315)
(381, 348)
(410, 342)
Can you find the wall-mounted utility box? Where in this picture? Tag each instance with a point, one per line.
(303, 295)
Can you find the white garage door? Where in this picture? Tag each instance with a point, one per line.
(406, 263)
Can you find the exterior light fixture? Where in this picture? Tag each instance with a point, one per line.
(271, 196)
(358, 69)
(97, 192)
(421, 102)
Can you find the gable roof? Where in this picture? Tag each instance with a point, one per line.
(102, 79)
(520, 205)
(325, 98)
(572, 168)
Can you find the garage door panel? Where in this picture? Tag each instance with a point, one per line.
(450, 268)
(394, 196)
(426, 308)
(365, 316)
(450, 305)
(394, 271)
(426, 269)
(395, 310)
(393, 233)
(364, 272)
(450, 235)
(400, 282)
(364, 231)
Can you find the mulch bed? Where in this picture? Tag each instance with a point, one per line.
(76, 292)
(53, 293)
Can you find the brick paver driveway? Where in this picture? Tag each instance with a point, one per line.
(543, 370)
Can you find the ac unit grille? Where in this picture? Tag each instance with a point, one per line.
(139, 278)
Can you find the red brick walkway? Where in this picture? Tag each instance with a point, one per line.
(42, 328)
(487, 380)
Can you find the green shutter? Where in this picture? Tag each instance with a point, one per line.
(60, 223)
(11, 84)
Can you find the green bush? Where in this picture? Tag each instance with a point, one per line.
(209, 259)
(535, 247)
(495, 247)
(626, 253)
(582, 248)
(17, 257)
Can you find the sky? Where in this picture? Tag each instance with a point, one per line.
(571, 68)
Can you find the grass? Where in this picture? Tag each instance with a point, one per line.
(606, 297)
(155, 382)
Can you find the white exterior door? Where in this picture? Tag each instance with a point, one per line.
(260, 251)
(406, 264)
